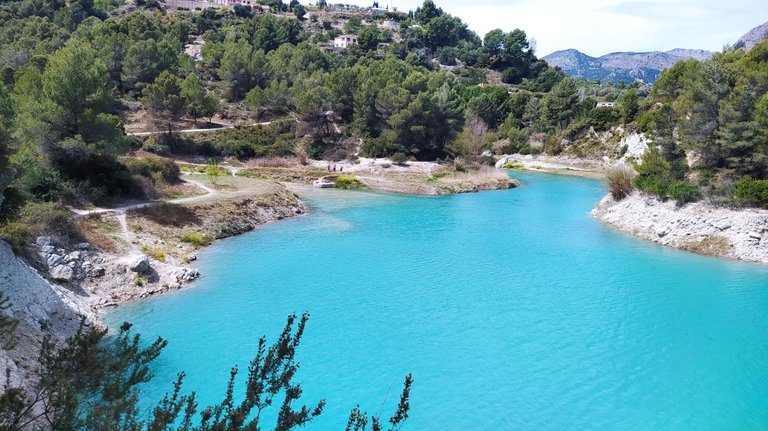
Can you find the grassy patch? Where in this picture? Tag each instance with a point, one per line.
(156, 253)
(196, 239)
(712, 246)
(512, 165)
(348, 182)
(97, 230)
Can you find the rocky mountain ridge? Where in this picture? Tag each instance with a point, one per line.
(621, 66)
(752, 37)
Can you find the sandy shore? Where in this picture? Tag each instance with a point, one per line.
(560, 165)
(415, 178)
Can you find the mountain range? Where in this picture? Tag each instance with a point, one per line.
(621, 66)
(637, 66)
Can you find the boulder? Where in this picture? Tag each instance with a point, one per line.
(62, 273)
(75, 255)
(95, 272)
(54, 260)
(83, 246)
(42, 241)
(192, 274)
(139, 264)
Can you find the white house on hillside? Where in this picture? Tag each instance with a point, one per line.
(344, 41)
(606, 104)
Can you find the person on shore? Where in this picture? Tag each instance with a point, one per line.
(334, 168)
(341, 168)
(329, 167)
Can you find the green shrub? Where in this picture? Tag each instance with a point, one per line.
(528, 150)
(654, 173)
(604, 118)
(683, 192)
(196, 239)
(16, 234)
(512, 165)
(243, 142)
(552, 145)
(752, 192)
(35, 219)
(154, 168)
(157, 146)
(653, 185)
(349, 182)
(399, 158)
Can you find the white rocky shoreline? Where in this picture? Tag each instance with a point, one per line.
(62, 284)
(698, 227)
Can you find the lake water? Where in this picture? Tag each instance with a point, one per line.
(512, 309)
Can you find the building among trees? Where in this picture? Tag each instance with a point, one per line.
(344, 41)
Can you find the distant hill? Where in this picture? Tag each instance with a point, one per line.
(621, 66)
(752, 37)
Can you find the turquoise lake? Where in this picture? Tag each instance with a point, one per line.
(513, 310)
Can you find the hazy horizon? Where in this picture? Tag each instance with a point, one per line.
(599, 27)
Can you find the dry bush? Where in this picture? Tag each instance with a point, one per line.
(92, 229)
(167, 214)
(272, 162)
(620, 181)
(301, 154)
(482, 174)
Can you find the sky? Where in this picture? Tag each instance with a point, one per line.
(598, 27)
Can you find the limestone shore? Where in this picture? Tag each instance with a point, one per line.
(698, 227)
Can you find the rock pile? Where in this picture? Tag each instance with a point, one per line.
(69, 265)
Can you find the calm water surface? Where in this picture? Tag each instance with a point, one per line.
(512, 309)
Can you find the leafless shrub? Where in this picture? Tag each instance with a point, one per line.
(272, 162)
(619, 179)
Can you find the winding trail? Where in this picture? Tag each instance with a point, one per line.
(122, 218)
(121, 210)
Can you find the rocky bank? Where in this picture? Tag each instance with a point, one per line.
(697, 227)
(61, 283)
(41, 308)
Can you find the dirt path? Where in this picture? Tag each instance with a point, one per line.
(122, 218)
(209, 192)
(226, 126)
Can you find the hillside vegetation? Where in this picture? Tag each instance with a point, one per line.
(75, 74)
(709, 122)
(418, 86)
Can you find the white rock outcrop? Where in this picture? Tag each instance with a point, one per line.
(636, 144)
(40, 307)
(699, 227)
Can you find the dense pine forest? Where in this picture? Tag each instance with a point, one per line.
(75, 75)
